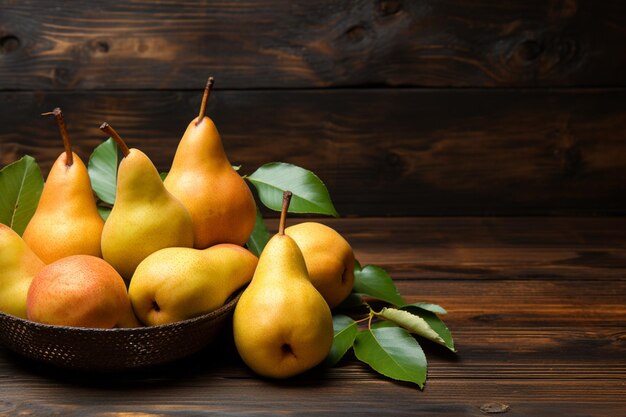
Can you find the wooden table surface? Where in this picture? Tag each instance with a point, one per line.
(536, 307)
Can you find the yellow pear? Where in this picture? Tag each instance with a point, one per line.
(175, 284)
(145, 216)
(219, 201)
(79, 291)
(329, 259)
(66, 221)
(18, 265)
(282, 326)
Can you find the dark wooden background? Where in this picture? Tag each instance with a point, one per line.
(402, 107)
(508, 115)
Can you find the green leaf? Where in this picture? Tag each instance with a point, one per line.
(236, 167)
(21, 184)
(435, 308)
(259, 236)
(435, 323)
(374, 281)
(102, 169)
(411, 322)
(163, 175)
(309, 192)
(104, 212)
(393, 352)
(345, 331)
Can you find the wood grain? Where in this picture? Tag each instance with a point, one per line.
(380, 152)
(487, 248)
(269, 44)
(540, 347)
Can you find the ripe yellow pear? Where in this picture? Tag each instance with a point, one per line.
(329, 259)
(282, 326)
(145, 216)
(66, 221)
(18, 266)
(219, 201)
(79, 291)
(175, 284)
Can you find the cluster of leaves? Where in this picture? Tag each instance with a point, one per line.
(386, 343)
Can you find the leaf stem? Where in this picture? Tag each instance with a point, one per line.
(205, 98)
(58, 114)
(106, 128)
(283, 213)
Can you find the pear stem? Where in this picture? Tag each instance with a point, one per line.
(205, 98)
(106, 128)
(58, 114)
(283, 213)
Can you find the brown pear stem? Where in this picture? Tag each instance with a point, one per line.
(283, 213)
(106, 128)
(205, 98)
(58, 114)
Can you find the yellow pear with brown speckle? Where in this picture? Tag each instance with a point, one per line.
(220, 203)
(282, 325)
(66, 221)
(175, 284)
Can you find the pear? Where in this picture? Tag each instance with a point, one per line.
(282, 325)
(66, 221)
(18, 265)
(329, 259)
(219, 201)
(79, 291)
(145, 216)
(175, 284)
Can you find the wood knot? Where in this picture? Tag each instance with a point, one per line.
(529, 50)
(494, 408)
(99, 46)
(62, 76)
(540, 56)
(356, 33)
(389, 7)
(9, 43)
(394, 165)
(102, 46)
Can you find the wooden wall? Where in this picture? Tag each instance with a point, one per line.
(404, 108)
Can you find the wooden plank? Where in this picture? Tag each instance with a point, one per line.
(540, 347)
(545, 348)
(487, 248)
(381, 152)
(265, 44)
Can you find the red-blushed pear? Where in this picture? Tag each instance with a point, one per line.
(282, 325)
(329, 259)
(18, 266)
(175, 284)
(79, 291)
(66, 221)
(219, 201)
(145, 216)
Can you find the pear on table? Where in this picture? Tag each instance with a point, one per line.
(66, 221)
(18, 265)
(175, 284)
(282, 325)
(329, 259)
(145, 216)
(220, 203)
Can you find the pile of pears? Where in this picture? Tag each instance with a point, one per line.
(175, 249)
